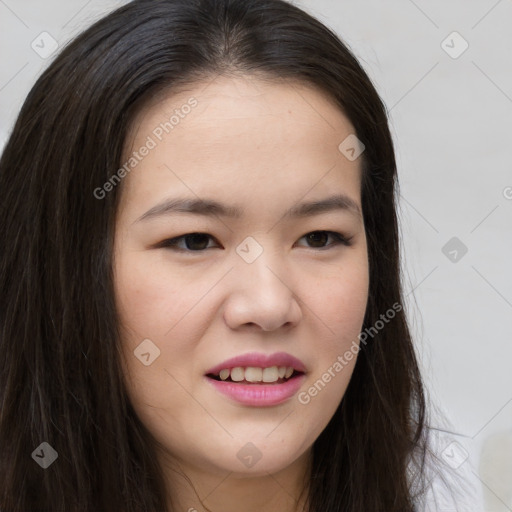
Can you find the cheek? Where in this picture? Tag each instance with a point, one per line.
(148, 306)
(341, 320)
(340, 300)
(148, 300)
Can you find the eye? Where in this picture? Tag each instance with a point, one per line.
(318, 238)
(194, 242)
(198, 242)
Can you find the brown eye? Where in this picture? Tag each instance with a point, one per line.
(198, 242)
(318, 239)
(193, 242)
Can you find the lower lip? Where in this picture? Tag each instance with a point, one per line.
(259, 395)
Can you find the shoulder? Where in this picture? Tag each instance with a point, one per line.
(450, 479)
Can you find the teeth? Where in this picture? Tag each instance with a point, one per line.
(224, 374)
(254, 374)
(237, 374)
(270, 374)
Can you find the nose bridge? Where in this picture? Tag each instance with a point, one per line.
(262, 269)
(262, 289)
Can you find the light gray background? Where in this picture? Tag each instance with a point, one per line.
(452, 123)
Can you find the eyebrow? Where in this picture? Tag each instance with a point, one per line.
(211, 208)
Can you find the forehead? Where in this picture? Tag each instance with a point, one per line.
(244, 104)
(241, 132)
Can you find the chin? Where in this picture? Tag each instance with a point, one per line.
(258, 456)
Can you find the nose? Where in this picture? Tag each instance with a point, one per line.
(261, 294)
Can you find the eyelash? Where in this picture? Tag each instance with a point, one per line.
(171, 243)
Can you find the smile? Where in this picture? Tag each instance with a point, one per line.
(252, 374)
(257, 379)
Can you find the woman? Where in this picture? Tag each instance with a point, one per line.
(148, 369)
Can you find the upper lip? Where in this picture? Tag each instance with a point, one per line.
(259, 360)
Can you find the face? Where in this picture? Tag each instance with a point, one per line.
(252, 263)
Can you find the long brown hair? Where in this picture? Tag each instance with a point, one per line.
(60, 376)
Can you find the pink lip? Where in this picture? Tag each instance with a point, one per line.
(259, 394)
(259, 361)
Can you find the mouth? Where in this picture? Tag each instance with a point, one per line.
(257, 379)
(256, 375)
(257, 387)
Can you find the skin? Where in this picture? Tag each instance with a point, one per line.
(264, 146)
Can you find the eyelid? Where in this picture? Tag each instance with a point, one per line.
(171, 243)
